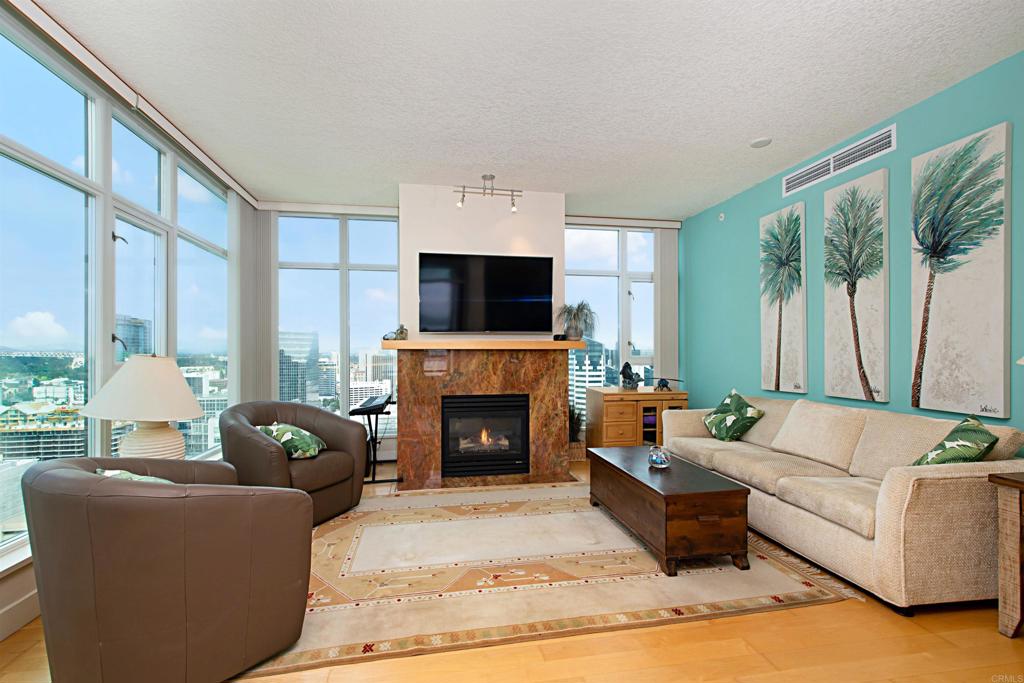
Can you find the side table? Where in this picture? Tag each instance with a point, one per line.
(1011, 547)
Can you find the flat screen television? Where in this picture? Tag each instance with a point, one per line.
(477, 293)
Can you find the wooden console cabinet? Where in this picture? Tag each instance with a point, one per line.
(628, 418)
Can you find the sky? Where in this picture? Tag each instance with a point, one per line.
(598, 250)
(308, 300)
(44, 225)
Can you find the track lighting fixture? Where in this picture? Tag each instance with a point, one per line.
(487, 190)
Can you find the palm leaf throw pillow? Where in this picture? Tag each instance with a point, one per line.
(131, 476)
(298, 443)
(732, 418)
(968, 442)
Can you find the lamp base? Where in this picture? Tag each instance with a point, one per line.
(153, 440)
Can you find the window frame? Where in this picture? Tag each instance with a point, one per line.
(344, 268)
(104, 207)
(625, 280)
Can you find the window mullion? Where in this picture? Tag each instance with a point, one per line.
(102, 314)
(344, 342)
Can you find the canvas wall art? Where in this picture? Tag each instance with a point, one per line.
(783, 307)
(960, 276)
(857, 289)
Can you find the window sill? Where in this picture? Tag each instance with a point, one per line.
(14, 556)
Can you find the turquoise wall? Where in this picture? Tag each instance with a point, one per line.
(719, 261)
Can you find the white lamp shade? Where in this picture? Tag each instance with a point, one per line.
(145, 389)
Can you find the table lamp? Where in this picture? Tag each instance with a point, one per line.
(151, 391)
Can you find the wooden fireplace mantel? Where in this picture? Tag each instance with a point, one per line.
(481, 344)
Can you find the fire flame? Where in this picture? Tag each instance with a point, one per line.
(485, 437)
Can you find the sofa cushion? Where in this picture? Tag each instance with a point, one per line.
(822, 432)
(775, 412)
(701, 451)
(847, 501)
(326, 469)
(732, 417)
(896, 440)
(762, 468)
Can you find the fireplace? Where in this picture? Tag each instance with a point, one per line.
(485, 435)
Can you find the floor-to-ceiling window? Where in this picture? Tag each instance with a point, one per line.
(337, 296)
(612, 269)
(112, 243)
(202, 310)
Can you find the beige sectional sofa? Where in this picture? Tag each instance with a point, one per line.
(835, 485)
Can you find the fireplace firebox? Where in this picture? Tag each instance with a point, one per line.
(485, 435)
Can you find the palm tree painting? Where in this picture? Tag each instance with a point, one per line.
(783, 322)
(960, 276)
(856, 289)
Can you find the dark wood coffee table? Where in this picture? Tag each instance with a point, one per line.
(682, 512)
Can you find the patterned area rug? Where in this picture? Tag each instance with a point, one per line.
(427, 571)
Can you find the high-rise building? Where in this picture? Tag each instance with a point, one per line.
(298, 366)
(202, 433)
(328, 377)
(40, 429)
(61, 391)
(588, 367)
(137, 335)
(360, 391)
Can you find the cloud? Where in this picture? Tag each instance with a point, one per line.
(36, 329)
(213, 334)
(192, 190)
(592, 248)
(120, 176)
(380, 295)
(78, 163)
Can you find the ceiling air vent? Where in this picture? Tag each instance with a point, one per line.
(874, 145)
(806, 176)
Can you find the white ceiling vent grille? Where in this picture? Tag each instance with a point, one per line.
(882, 142)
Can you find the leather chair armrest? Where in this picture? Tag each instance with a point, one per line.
(259, 460)
(341, 434)
(178, 471)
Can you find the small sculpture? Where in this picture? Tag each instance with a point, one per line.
(630, 379)
(662, 385)
(400, 334)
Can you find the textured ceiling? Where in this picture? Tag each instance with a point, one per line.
(637, 109)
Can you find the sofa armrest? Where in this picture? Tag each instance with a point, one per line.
(178, 471)
(683, 423)
(935, 532)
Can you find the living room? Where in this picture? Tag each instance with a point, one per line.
(562, 341)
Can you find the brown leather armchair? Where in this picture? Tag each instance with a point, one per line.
(334, 478)
(192, 581)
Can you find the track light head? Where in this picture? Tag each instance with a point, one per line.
(462, 198)
(514, 209)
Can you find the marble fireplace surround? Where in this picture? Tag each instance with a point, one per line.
(427, 371)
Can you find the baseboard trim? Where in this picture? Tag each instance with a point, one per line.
(18, 613)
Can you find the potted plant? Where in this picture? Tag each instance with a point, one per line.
(577, 320)
(577, 450)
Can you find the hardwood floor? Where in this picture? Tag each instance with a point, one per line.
(846, 641)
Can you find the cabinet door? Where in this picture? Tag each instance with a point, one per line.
(648, 427)
(675, 404)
